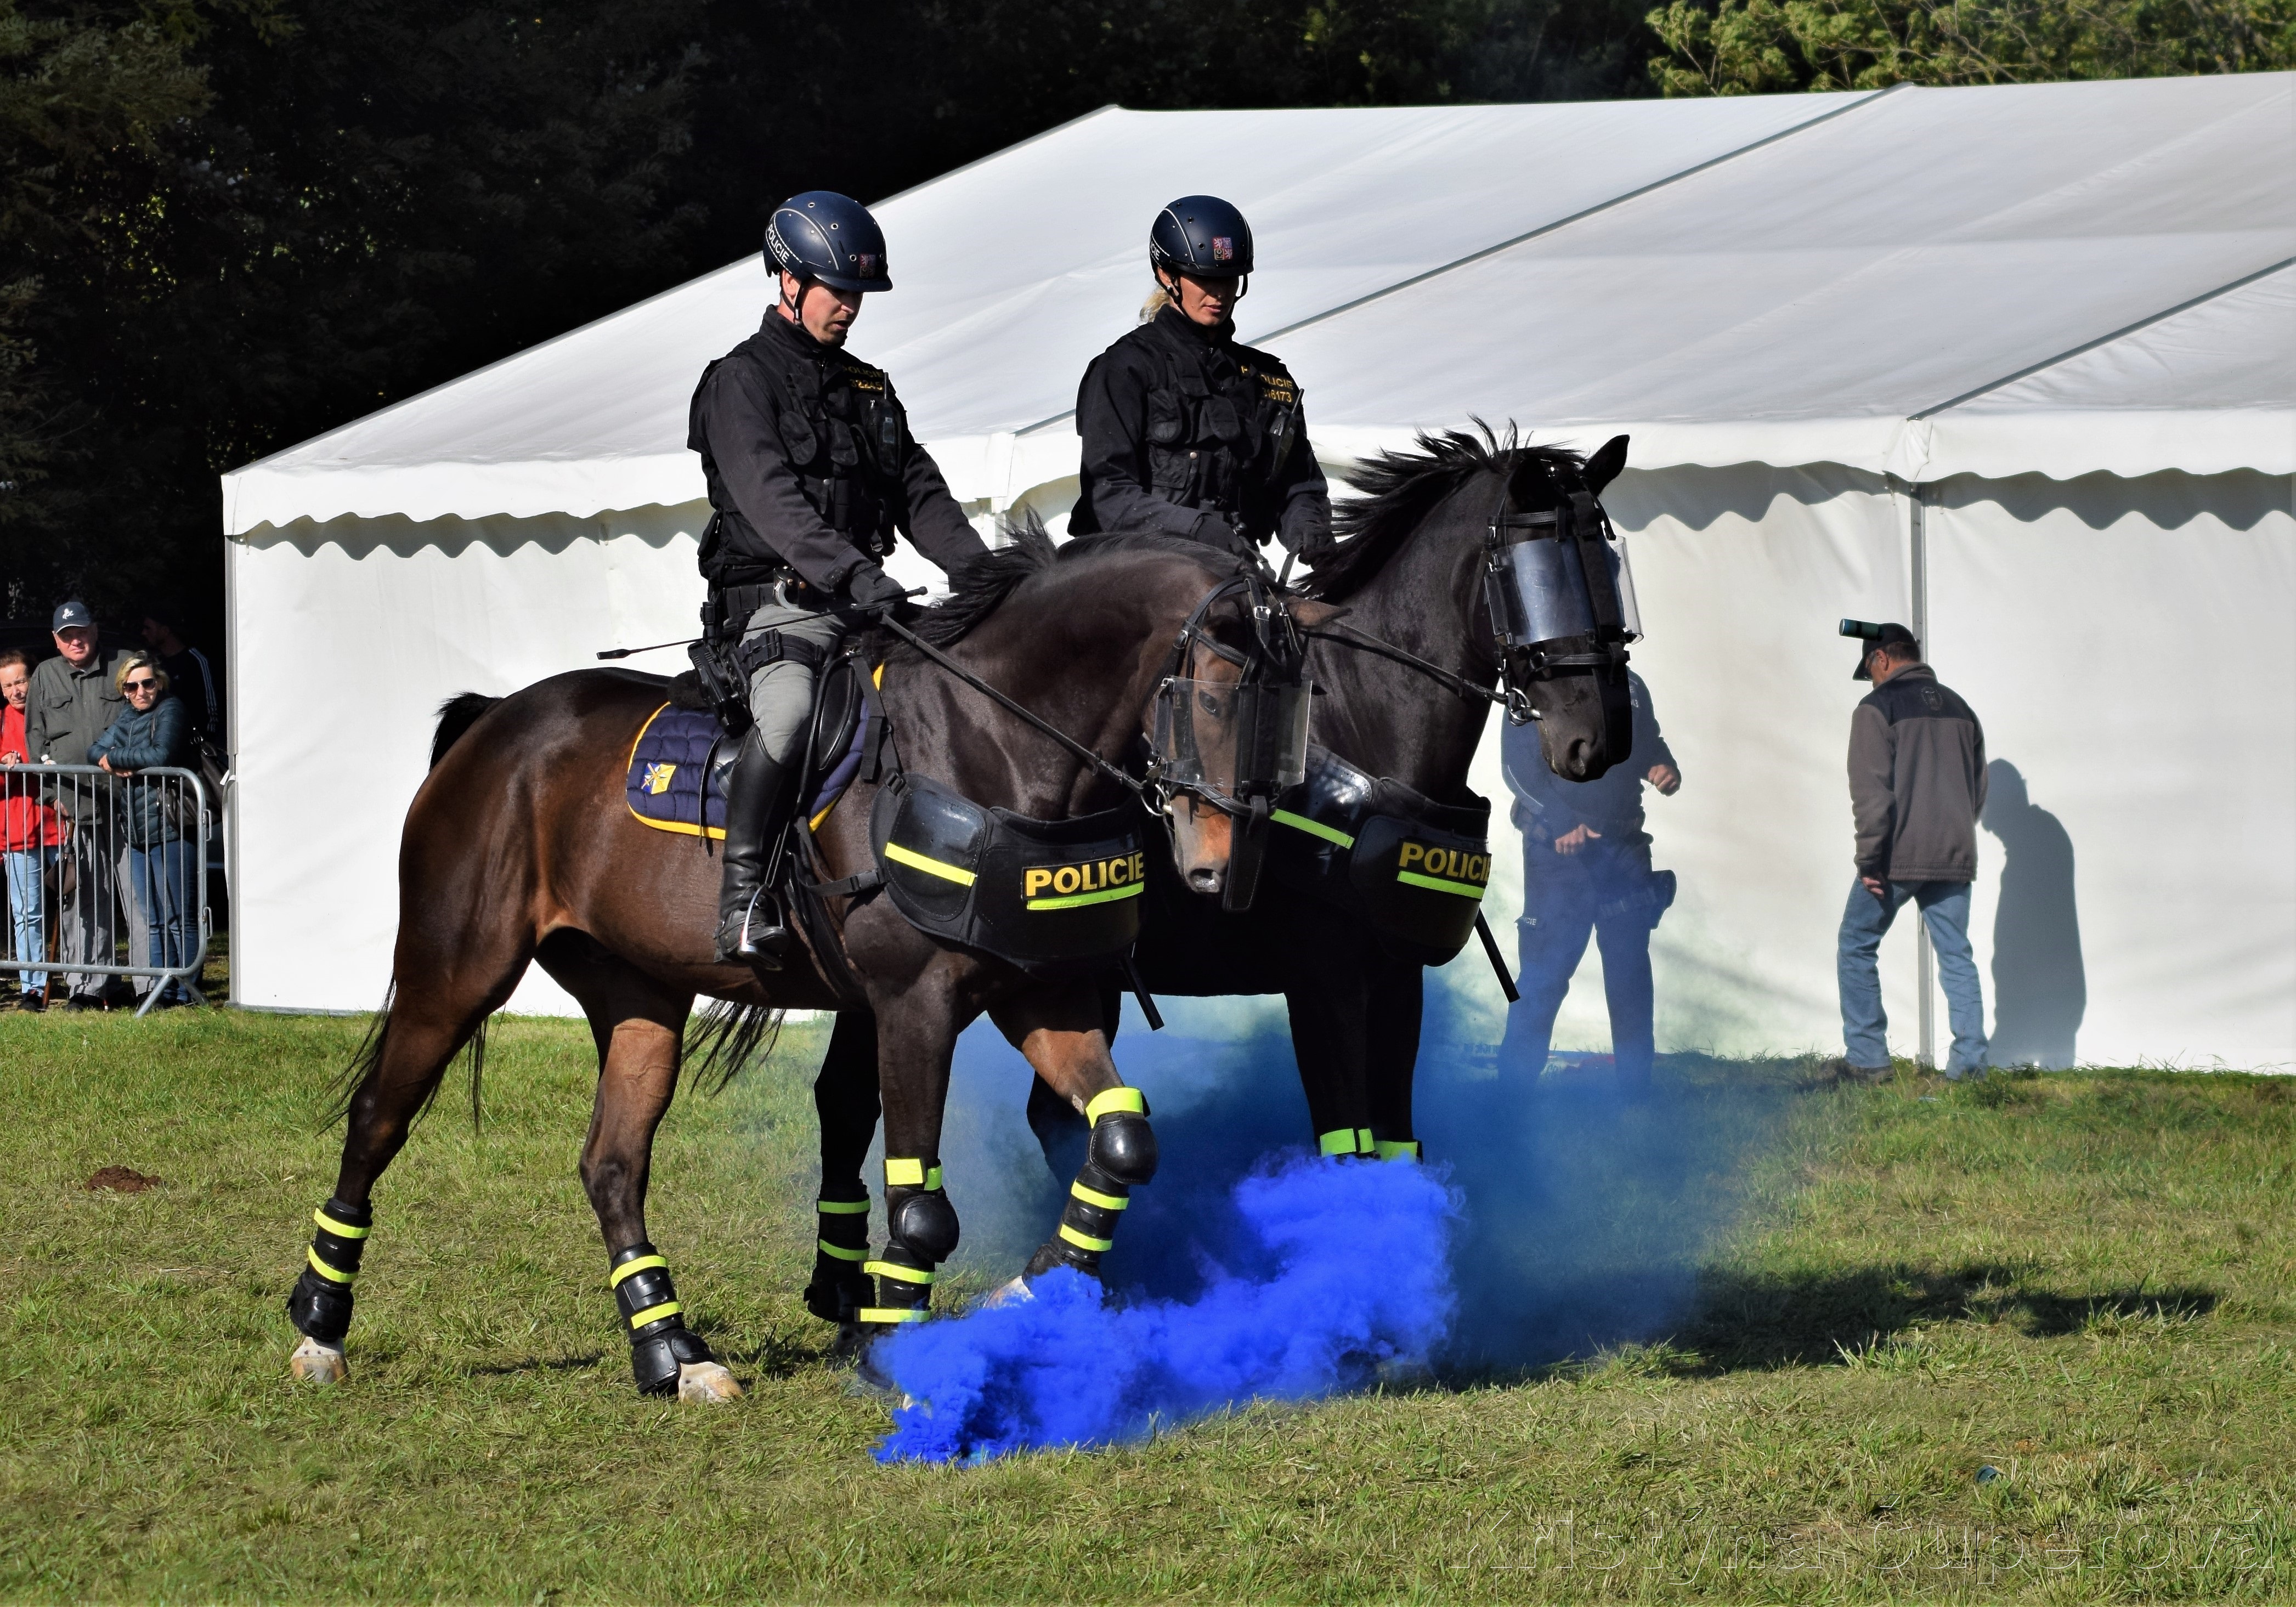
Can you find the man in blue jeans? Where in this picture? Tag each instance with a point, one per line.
(1916, 788)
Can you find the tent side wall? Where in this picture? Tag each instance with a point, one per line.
(348, 636)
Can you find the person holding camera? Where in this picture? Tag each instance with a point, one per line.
(1586, 870)
(1916, 788)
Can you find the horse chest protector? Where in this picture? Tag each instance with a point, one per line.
(1058, 897)
(1415, 870)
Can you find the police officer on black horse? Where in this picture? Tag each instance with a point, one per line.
(1186, 431)
(811, 470)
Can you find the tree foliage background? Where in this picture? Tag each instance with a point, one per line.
(228, 225)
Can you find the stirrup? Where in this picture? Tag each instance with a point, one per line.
(762, 942)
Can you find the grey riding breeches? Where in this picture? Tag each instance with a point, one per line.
(780, 693)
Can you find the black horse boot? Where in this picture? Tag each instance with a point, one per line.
(749, 928)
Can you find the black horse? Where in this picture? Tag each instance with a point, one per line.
(519, 849)
(1410, 573)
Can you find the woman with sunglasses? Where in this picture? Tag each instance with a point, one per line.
(155, 730)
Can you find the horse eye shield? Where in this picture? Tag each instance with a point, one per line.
(1231, 741)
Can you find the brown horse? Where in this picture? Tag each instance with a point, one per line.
(519, 849)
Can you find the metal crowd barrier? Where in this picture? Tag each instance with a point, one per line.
(105, 876)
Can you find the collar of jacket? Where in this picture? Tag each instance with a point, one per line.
(1921, 672)
(1178, 324)
(793, 334)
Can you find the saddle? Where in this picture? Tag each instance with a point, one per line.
(675, 777)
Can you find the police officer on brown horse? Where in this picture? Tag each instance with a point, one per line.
(811, 470)
(1186, 431)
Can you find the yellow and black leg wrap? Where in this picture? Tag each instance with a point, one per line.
(320, 1303)
(1396, 1149)
(921, 1233)
(659, 1340)
(1119, 1157)
(1347, 1141)
(840, 1287)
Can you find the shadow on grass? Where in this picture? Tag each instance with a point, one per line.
(1758, 1321)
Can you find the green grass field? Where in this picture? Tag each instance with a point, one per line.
(2082, 1282)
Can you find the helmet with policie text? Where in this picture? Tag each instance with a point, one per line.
(824, 235)
(1203, 235)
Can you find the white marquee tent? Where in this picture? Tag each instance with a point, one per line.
(2016, 366)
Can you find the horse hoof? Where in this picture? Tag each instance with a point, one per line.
(852, 1339)
(313, 1362)
(707, 1382)
(1011, 1293)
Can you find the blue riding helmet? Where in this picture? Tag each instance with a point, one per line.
(1203, 235)
(824, 235)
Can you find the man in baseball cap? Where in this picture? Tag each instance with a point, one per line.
(73, 699)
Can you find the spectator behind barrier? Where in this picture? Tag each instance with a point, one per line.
(190, 676)
(29, 831)
(156, 730)
(72, 702)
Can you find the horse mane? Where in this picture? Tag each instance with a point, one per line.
(976, 590)
(1401, 488)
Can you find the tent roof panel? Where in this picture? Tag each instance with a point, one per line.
(1790, 277)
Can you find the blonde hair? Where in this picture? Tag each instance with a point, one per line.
(1158, 301)
(133, 662)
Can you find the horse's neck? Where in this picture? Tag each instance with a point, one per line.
(1387, 717)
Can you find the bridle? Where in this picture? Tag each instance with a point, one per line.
(1524, 631)
(1273, 663)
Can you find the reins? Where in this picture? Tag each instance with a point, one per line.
(1112, 772)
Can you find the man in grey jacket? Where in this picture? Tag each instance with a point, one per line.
(72, 702)
(1916, 788)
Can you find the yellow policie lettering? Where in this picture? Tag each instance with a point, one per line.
(1095, 882)
(1454, 865)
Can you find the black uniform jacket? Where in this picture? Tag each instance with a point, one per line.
(1183, 429)
(810, 463)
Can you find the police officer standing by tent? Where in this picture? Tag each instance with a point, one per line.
(1186, 431)
(811, 469)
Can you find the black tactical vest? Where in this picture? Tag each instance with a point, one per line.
(1221, 424)
(840, 428)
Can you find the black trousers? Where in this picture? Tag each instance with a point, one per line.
(1598, 891)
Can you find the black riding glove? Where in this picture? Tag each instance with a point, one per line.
(872, 588)
(1314, 543)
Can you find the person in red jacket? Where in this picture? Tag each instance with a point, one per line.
(29, 831)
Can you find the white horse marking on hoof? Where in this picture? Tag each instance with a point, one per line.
(316, 1363)
(1009, 1293)
(706, 1381)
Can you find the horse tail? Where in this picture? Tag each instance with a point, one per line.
(730, 1036)
(457, 715)
(367, 1060)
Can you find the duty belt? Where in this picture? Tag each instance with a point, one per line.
(726, 612)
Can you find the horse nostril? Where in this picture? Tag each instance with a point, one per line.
(1205, 879)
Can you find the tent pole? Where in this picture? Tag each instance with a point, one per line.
(1924, 955)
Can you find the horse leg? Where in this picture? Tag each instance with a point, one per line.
(1060, 1129)
(1330, 1011)
(1065, 1032)
(845, 1099)
(466, 976)
(639, 1027)
(1396, 1000)
(918, 1026)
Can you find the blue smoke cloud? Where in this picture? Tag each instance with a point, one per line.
(1344, 1267)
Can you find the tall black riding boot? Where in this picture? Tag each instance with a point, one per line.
(749, 927)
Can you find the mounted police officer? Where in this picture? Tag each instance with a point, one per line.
(1186, 431)
(811, 469)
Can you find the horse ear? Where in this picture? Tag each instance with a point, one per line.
(1307, 613)
(1603, 467)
